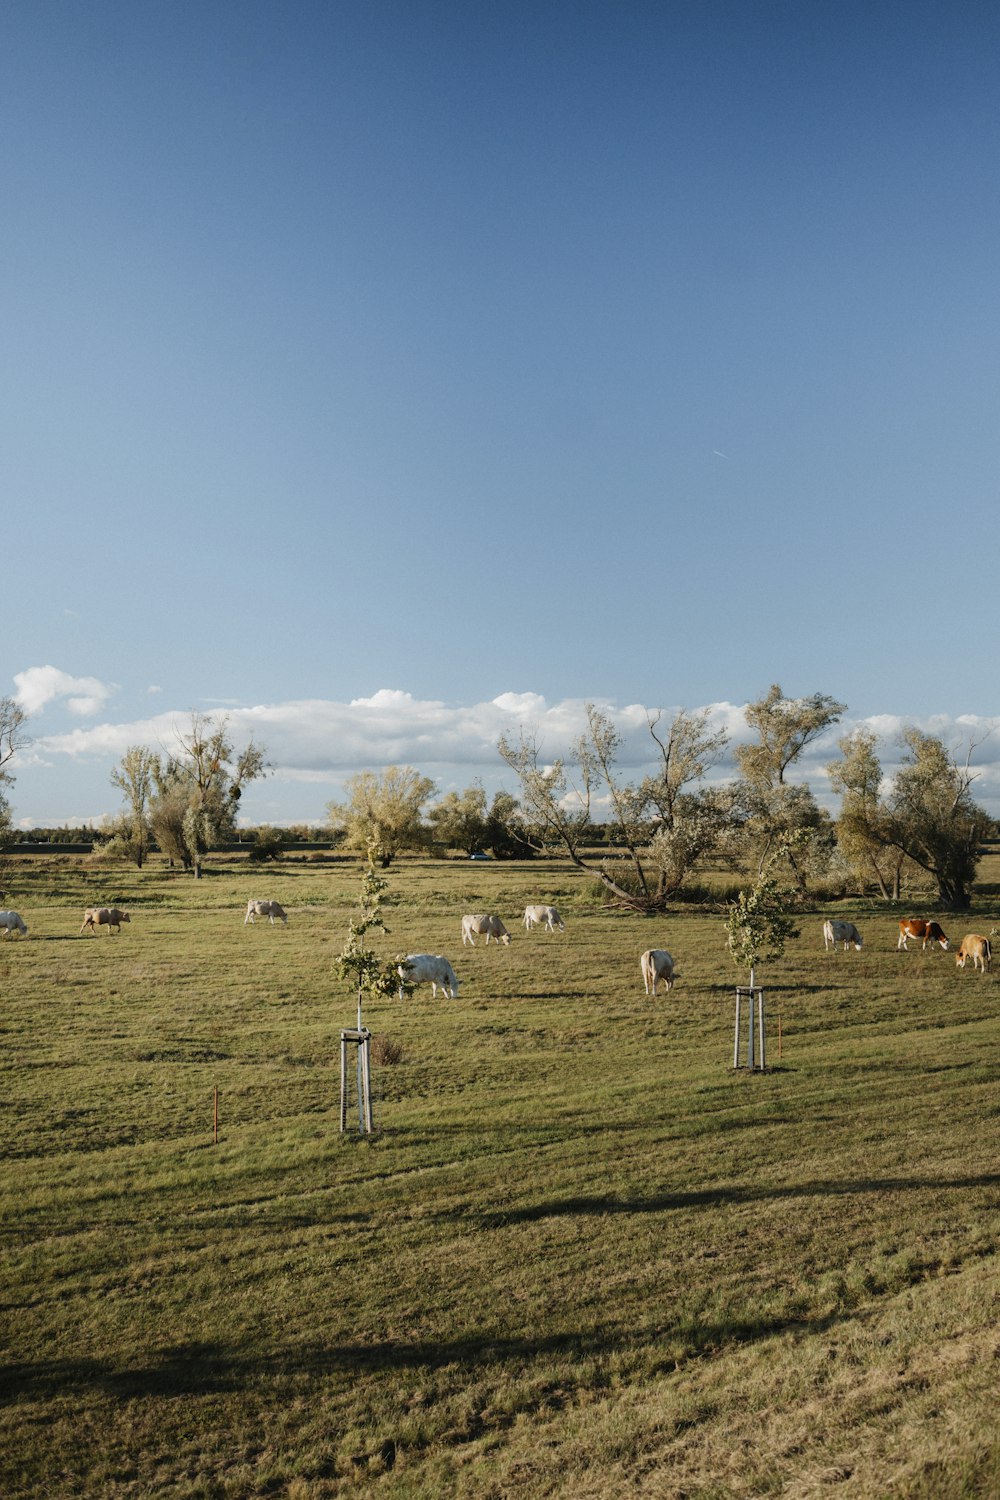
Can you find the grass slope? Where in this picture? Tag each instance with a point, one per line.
(583, 1257)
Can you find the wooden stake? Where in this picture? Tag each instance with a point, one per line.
(779, 1035)
(215, 1131)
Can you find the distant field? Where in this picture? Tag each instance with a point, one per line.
(583, 1257)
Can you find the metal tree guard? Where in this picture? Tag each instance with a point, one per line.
(753, 993)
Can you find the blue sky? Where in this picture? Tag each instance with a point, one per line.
(437, 354)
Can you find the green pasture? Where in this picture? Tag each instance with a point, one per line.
(582, 1257)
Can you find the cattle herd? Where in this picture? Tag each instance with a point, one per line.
(656, 964)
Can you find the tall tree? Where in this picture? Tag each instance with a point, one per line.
(506, 836)
(779, 815)
(863, 828)
(198, 790)
(928, 816)
(935, 821)
(659, 830)
(12, 739)
(386, 807)
(131, 831)
(459, 820)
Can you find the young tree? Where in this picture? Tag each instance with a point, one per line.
(660, 830)
(758, 922)
(777, 815)
(198, 790)
(385, 807)
(369, 974)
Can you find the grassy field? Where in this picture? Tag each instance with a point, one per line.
(583, 1257)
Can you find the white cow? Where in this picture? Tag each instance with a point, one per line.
(657, 964)
(481, 922)
(841, 932)
(428, 968)
(543, 916)
(269, 909)
(10, 921)
(104, 916)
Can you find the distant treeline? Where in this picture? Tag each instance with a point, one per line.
(81, 839)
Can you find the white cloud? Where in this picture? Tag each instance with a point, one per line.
(39, 686)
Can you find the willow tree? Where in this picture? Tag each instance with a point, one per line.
(131, 833)
(779, 815)
(927, 815)
(384, 808)
(459, 820)
(198, 790)
(863, 828)
(660, 829)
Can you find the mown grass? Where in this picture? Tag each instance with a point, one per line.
(583, 1257)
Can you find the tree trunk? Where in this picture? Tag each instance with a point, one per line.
(883, 891)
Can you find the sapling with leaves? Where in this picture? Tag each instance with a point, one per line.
(758, 923)
(369, 974)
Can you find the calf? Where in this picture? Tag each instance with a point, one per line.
(491, 926)
(919, 927)
(428, 968)
(978, 949)
(841, 932)
(657, 964)
(11, 921)
(104, 916)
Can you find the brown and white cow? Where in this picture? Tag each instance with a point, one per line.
(104, 916)
(919, 927)
(977, 948)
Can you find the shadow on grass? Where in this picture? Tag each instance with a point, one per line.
(204, 1369)
(720, 1197)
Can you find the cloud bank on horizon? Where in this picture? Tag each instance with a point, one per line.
(323, 741)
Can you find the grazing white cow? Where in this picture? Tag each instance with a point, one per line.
(657, 964)
(977, 948)
(841, 932)
(543, 916)
(483, 923)
(428, 968)
(104, 916)
(269, 909)
(10, 921)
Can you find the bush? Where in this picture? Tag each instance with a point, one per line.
(385, 1052)
(268, 844)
